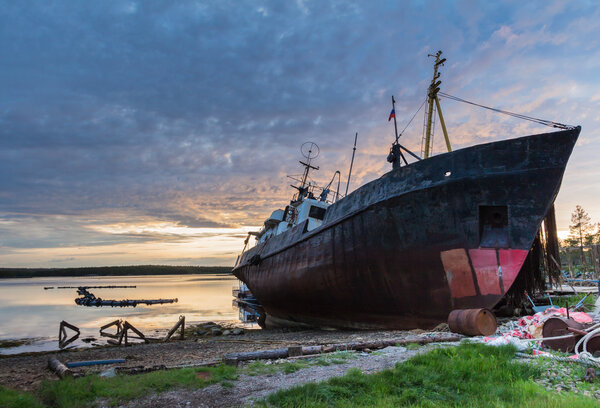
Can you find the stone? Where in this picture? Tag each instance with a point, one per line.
(215, 331)
(237, 331)
(226, 332)
(108, 373)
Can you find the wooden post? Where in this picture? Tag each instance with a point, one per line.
(123, 337)
(181, 323)
(116, 323)
(63, 341)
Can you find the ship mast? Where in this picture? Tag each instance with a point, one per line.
(310, 151)
(432, 97)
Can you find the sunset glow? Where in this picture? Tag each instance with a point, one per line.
(143, 134)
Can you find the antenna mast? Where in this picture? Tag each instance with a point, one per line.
(432, 97)
(352, 162)
(310, 151)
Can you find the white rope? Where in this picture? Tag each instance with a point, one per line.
(583, 342)
(581, 360)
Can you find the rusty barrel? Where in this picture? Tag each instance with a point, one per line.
(472, 322)
(593, 345)
(559, 326)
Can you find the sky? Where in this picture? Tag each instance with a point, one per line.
(160, 132)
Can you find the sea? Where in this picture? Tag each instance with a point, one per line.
(31, 309)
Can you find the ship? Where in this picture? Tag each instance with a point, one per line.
(445, 232)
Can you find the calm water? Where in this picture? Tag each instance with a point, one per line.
(29, 311)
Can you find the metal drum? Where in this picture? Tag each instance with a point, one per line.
(472, 322)
(593, 345)
(558, 326)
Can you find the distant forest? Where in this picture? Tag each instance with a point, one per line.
(112, 271)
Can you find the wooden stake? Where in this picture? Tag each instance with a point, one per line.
(181, 323)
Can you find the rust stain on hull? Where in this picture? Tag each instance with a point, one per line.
(406, 249)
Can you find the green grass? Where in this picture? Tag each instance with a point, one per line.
(14, 399)
(413, 346)
(260, 368)
(81, 392)
(573, 300)
(470, 375)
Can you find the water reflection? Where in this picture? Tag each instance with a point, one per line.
(27, 310)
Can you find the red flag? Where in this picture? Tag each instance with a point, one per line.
(392, 114)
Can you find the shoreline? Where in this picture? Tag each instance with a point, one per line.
(132, 270)
(25, 371)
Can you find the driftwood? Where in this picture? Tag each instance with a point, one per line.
(88, 299)
(374, 345)
(116, 323)
(123, 337)
(181, 323)
(59, 368)
(63, 341)
(234, 358)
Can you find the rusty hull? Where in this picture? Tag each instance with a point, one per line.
(401, 252)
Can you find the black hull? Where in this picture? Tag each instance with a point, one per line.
(402, 251)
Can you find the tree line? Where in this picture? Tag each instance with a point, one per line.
(112, 271)
(582, 232)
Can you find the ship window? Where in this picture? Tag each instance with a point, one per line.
(493, 226)
(317, 213)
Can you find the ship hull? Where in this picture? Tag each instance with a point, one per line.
(401, 252)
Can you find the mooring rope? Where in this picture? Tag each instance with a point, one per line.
(516, 115)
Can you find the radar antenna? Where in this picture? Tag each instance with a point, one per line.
(310, 151)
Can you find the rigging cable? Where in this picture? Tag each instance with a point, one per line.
(516, 115)
(411, 119)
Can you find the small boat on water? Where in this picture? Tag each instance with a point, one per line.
(447, 232)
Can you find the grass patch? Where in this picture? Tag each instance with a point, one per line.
(260, 368)
(413, 346)
(15, 399)
(81, 392)
(289, 368)
(572, 300)
(470, 375)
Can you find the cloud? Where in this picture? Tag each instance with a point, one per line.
(192, 114)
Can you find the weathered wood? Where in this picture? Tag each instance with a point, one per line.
(181, 323)
(311, 350)
(59, 368)
(235, 358)
(128, 326)
(116, 335)
(373, 345)
(295, 351)
(63, 341)
(258, 355)
(123, 337)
